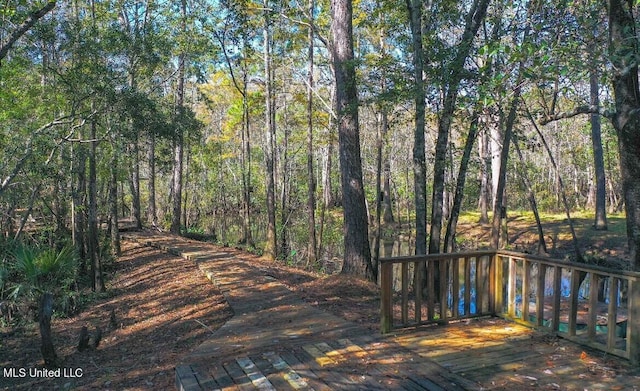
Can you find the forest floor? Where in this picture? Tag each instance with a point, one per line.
(164, 308)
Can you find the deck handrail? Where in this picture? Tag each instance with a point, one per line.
(533, 290)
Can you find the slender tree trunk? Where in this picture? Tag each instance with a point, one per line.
(178, 139)
(499, 205)
(97, 282)
(623, 51)
(312, 248)
(419, 159)
(449, 237)
(246, 165)
(285, 209)
(113, 200)
(379, 195)
(134, 184)
(600, 223)
(77, 205)
(473, 21)
(186, 221)
(357, 253)
(270, 249)
(152, 211)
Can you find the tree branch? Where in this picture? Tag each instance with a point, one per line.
(584, 109)
(24, 27)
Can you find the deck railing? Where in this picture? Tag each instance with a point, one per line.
(587, 304)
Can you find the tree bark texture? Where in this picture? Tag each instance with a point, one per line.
(449, 237)
(97, 282)
(419, 159)
(178, 138)
(499, 205)
(134, 184)
(598, 154)
(623, 52)
(473, 22)
(357, 253)
(270, 251)
(152, 215)
(312, 254)
(44, 315)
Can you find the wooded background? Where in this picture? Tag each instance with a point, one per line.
(236, 120)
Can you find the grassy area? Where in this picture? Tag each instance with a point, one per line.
(523, 236)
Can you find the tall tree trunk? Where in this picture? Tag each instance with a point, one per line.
(623, 52)
(78, 194)
(245, 162)
(178, 138)
(450, 235)
(97, 282)
(185, 187)
(600, 223)
(113, 199)
(499, 205)
(152, 211)
(381, 118)
(419, 149)
(357, 253)
(134, 184)
(312, 247)
(270, 249)
(473, 21)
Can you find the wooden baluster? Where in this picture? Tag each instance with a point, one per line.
(496, 283)
(573, 301)
(444, 316)
(557, 297)
(542, 273)
(431, 291)
(511, 288)
(479, 286)
(593, 306)
(455, 291)
(633, 321)
(405, 293)
(418, 270)
(467, 286)
(612, 313)
(526, 289)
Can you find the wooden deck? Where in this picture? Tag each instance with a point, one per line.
(497, 354)
(276, 341)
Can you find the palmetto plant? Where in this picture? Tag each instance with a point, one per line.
(34, 271)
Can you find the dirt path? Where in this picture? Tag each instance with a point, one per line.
(163, 309)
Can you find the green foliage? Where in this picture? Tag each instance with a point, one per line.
(30, 270)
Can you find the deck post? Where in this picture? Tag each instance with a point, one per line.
(386, 291)
(633, 321)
